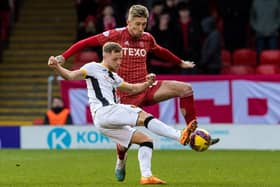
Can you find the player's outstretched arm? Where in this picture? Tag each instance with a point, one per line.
(80, 45)
(65, 73)
(167, 55)
(138, 87)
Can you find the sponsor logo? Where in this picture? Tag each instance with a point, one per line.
(134, 52)
(91, 137)
(106, 33)
(59, 138)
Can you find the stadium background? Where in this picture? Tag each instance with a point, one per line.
(248, 155)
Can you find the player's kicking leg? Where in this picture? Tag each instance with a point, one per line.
(188, 111)
(171, 89)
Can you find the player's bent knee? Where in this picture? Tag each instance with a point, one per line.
(187, 90)
(140, 137)
(142, 118)
(188, 86)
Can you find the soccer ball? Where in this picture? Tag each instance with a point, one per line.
(200, 140)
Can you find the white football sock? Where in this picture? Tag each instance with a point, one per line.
(145, 157)
(160, 128)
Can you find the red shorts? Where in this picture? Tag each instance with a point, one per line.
(145, 98)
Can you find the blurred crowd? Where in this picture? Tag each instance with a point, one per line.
(196, 30)
(9, 13)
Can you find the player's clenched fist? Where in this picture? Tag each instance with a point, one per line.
(52, 63)
(187, 64)
(60, 59)
(151, 78)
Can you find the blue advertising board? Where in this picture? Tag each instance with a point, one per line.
(9, 137)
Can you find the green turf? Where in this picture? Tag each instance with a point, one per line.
(95, 168)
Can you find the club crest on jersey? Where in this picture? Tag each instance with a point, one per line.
(134, 52)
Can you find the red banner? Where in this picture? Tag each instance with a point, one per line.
(218, 99)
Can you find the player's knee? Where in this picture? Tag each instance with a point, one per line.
(187, 90)
(142, 118)
(140, 137)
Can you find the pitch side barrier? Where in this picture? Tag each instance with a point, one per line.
(239, 137)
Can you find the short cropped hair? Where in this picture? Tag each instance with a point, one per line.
(139, 11)
(110, 47)
(56, 97)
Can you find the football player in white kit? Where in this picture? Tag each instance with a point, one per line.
(115, 120)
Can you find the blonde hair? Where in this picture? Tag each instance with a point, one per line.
(110, 47)
(138, 11)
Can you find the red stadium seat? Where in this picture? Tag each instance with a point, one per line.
(270, 57)
(226, 60)
(225, 70)
(226, 57)
(5, 19)
(244, 57)
(240, 70)
(86, 56)
(267, 69)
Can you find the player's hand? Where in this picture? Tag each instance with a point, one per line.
(151, 78)
(53, 63)
(187, 64)
(60, 59)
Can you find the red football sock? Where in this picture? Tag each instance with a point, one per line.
(187, 104)
(121, 152)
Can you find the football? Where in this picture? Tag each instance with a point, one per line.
(200, 140)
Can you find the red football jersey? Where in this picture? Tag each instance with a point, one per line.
(133, 68)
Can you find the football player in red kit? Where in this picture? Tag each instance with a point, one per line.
(136, 44)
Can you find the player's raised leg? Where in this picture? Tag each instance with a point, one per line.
(172, 89)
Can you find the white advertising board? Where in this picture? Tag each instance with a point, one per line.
(258, 137)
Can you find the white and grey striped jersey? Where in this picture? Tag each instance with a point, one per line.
(101, 85)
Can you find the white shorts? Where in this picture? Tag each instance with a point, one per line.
(117, 122)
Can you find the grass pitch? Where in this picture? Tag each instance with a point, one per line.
(95, 168)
